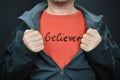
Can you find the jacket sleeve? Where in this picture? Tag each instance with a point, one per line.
(105, 58)
(17, 60)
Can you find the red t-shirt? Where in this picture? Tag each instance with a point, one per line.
(62, 36)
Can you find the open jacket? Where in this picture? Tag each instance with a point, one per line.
(18, 62)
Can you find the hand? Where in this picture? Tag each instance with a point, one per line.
(90, 40)
(33, 40)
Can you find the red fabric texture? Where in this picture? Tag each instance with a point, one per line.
(62, 36)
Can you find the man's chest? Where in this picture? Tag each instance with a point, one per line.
(62, 37)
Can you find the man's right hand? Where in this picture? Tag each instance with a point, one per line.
(33, 40)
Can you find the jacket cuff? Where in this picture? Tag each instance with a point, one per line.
(98, 51)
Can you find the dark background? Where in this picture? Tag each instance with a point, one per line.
(11, 9)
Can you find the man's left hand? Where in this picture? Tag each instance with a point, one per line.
(90, 40)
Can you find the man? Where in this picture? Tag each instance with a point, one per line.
(60, 40)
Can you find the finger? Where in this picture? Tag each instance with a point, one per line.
(34, 33)
(91, 32)
(85, 41)
(28, 31)
(38, 48)
(28, 40)
(36, 38)
(37, 43)
(88, 37)
(84, 47)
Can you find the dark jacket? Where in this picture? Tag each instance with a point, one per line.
(19, 63)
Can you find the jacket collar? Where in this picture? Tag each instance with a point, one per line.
(32, 17)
